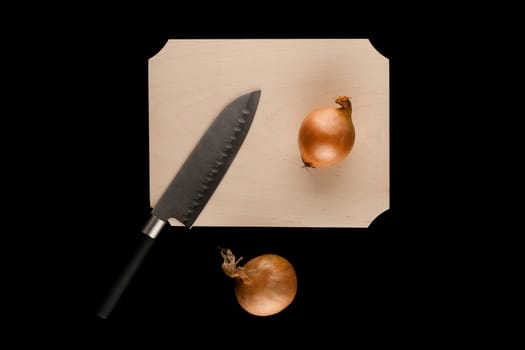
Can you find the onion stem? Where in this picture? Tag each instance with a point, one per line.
(344, 102)
(230, 268)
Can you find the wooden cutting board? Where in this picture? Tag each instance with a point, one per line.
(190, 81)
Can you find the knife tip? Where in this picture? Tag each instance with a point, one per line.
(256, 93)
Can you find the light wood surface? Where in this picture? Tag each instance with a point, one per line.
(190, 81)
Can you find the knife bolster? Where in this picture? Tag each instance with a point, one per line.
(153, 227)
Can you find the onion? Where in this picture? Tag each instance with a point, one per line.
(327, 135)
(265, 285)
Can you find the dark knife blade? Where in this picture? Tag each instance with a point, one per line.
(194, 184)
(205, 167)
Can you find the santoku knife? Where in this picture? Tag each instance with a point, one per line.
(194, 184)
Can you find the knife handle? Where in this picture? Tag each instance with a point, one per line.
(151, 230)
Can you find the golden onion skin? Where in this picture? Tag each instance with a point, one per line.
(266, 285)
(327, 135)
(271, 287)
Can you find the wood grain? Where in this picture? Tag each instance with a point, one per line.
(190, 81)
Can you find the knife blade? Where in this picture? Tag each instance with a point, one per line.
(194, 184)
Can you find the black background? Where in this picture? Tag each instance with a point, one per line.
(371, 282)
(400, 281)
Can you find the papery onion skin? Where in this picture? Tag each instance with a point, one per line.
(265, 285)
(327, 135)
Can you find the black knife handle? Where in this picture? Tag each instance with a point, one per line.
(122, 282)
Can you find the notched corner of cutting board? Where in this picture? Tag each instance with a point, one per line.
(381, 218)
(158, 47)
(379, 50)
